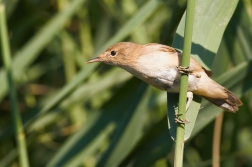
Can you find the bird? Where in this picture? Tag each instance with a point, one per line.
(159, 66)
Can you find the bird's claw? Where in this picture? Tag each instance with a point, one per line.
(184, 70)
(180, 121)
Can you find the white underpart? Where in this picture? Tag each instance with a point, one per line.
(158, 70)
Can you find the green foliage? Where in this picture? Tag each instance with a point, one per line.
(76, 114)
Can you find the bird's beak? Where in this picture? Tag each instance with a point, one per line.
(96, 59)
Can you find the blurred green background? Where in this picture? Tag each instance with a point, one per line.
(76, 114)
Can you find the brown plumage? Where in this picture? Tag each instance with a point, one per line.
(158, 65)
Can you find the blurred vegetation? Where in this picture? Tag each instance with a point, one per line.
(96, 115)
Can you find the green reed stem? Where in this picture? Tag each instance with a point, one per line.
(19, 132)
(179, 147)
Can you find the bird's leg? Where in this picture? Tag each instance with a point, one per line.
(189, 96)
(189, 100)
(180, 121)
(184, 70)
(187, 71)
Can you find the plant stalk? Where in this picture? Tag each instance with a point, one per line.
(19, 132)
(179, 147)
(217, 140)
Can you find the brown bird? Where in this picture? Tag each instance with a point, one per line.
(159, 66)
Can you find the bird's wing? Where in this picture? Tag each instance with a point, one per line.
(208, 72)
(163, 48)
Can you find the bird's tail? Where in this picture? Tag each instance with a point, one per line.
(230, 103)
(221, 97)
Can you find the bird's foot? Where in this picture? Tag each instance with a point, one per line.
(180, 121)
(184, 70)
(189, 100)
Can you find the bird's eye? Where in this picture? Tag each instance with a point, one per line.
(113, 53)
